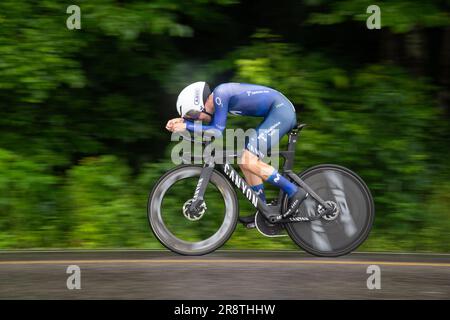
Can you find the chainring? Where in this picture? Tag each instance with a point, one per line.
(268, 229)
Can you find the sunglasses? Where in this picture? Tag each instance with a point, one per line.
(195, 114)
(192, 114)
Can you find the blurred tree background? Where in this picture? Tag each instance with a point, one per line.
(82, 112)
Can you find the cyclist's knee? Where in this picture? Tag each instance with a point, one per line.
(248, 161)
(244, 166)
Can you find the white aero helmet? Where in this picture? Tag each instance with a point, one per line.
(191, 100)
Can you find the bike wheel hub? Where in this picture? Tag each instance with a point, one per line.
(195, 214)
(333, 212)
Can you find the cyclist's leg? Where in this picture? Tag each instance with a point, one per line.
(251, 178)
(249, 160)
(255, 182)
(279, 121)
(255, 170)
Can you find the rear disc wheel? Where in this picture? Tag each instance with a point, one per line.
(344, 230)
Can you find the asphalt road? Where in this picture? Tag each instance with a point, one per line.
(222, 275)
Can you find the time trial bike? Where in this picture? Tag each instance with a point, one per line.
(193, 209)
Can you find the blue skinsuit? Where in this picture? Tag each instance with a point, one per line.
(255, 101)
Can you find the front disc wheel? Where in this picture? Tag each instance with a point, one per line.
(192, 232)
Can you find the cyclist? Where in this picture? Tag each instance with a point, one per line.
(197, 103)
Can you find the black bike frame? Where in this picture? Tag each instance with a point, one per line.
(272, 213)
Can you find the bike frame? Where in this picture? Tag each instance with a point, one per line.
(272, 213)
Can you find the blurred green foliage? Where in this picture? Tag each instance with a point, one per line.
(82, 112)
(399, 15)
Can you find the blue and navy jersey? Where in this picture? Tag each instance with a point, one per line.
(239, 99)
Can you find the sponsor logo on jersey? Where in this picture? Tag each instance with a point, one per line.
(251, 93)
(268, 132)
(277, 178)
(259, 192)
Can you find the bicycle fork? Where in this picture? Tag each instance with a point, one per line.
(202, 184)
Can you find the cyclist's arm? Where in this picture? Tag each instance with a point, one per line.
(219, 119)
